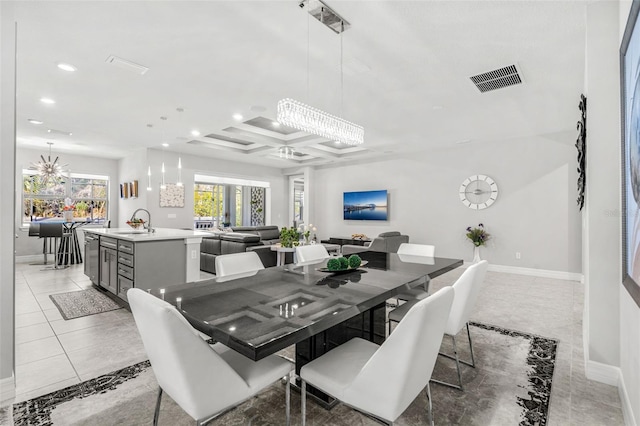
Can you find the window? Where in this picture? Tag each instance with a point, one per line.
(221, 202)
(88, 195)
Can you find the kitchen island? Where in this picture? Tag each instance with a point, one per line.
(122, 258)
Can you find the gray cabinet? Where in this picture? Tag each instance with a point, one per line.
(109, 268)
(92, 257)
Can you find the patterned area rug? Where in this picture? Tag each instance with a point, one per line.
(511, 384)
(76, 304)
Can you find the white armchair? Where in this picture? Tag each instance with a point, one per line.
(238, 263)
(383, 380)
(203, 380)
(313, 253)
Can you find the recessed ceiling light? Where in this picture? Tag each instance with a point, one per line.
(275, 124)
(195, 133)
(34, 121)
(180, 109)
(237, 117)
(47, 101)
(165, 144)
(66, 67)
(436, 107)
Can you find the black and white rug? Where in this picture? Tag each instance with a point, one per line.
(76, 304)
(510, 385)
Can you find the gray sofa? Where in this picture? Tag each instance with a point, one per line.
(387, 242)
(241, 239)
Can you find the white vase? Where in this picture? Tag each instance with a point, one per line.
(476, 254)
(67, 215)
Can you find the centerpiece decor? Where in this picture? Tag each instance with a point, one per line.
(289, 237)
(340, 265)
(67, 212)
(478, 237)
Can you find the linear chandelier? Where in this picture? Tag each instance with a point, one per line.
(303, 117)
(50, 171)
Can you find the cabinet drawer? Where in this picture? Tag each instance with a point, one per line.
(125, 259)
(125, 271)
(108, 242)
(124, 284)
(125, 246)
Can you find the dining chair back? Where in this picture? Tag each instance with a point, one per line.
(203, 380)
(388, 377)
(313, 253)
(417, 249)
(238, 263)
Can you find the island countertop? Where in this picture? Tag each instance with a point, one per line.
(136, 236)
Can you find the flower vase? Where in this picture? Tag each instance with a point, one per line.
(68, 215)
(476, 254)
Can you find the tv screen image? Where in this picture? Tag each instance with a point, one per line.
(365, 205)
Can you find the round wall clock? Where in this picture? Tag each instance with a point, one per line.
(478, 192)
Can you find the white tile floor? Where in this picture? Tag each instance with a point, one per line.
(52, 353)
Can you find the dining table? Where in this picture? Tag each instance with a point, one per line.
(261, 312)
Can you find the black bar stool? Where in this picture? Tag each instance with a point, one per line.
(56, 231)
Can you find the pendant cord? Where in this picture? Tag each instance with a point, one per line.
(308, 50)
(341, 71)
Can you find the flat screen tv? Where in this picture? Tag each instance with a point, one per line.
(630, 93)
(365, 205)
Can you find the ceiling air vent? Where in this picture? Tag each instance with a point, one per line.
(127, 65)
(497, 79)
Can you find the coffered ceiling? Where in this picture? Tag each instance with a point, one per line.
(402, 70)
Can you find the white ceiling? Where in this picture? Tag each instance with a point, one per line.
(406, 69)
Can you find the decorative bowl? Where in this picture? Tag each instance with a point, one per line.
(135, 225)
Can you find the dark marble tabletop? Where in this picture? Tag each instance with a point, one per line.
(261, 313)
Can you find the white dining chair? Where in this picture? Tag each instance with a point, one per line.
(467, 289)
(205, 381)
(312, 253)
(416, 253)
(383, 380)
(238, 263)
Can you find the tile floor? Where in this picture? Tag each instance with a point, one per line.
(52, 353)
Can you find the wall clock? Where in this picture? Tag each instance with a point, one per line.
(478, 192)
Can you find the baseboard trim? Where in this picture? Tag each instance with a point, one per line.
(627, 412)
(603, 373)
(542, 273)
(7, 391)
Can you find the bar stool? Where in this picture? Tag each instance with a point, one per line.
(34, 231)
(55, 230)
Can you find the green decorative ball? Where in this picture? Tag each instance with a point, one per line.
(344, 263)
(333, 264)
(354, 261)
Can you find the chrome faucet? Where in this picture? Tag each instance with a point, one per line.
(148, 225)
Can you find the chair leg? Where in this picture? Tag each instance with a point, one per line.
(430, 406)
(156, 414)
(287, 397)
(473, 361)
(457, 359)
(303, 401)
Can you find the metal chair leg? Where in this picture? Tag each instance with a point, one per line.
(156, 414)
(473, 361)
(430, 406)
(287, 398)
(303, 401)
(455, 357)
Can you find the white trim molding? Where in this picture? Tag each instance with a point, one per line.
(611, 375)
(542, 273)
(7, 391)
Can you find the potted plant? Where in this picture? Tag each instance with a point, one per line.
(289, 237)
(479, 238)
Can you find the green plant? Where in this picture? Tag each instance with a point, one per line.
(333, 264)
(478, 235)
(344, 263)
(354, 261)
(289, 237)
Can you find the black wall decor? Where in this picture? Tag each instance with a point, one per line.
(581, 145)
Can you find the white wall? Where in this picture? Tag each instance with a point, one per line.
(26, 245)
(629, 314)
(8, 197)
(535, 213)
(130, 168)
(192, 165)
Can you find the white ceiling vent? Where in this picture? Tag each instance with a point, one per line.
(497, 79)
(127, 65)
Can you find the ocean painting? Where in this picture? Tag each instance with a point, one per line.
(365, 205)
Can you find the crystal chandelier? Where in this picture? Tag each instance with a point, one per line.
(286, 152)
(50, 171)
(303, 117)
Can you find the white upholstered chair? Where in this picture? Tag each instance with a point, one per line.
(238, 263)
(383, 380)
(416, 253)
(313, 253)
(467, 289)
(417, 249)
(203, 380)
